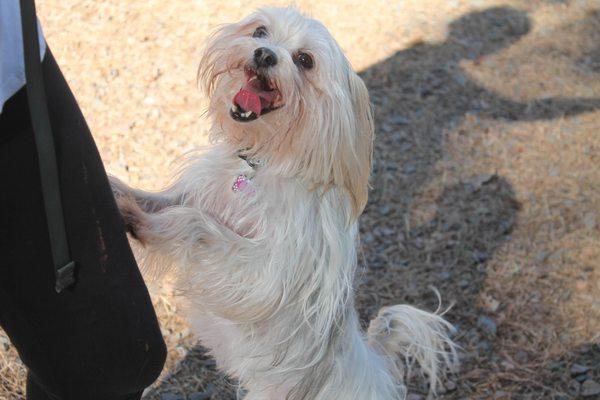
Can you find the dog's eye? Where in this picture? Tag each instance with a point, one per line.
(261, 31)
(304, 60)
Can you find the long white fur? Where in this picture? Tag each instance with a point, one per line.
(268, 275)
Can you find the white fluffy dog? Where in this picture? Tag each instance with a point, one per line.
(262, 229)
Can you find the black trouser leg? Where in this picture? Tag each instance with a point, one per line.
(35, 391)
(99, 340)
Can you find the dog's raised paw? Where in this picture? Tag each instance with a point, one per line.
(134, 218)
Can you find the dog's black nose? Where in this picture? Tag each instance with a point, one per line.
(264, 57)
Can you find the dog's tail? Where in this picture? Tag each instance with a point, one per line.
(409, 335)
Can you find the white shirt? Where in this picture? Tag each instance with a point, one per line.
(12, 65)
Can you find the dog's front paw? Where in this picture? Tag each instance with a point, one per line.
(119, 188)
(134, 218)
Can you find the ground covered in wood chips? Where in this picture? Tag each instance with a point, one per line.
(486, 179)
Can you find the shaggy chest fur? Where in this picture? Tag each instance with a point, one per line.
(228, 188)
(267, 298)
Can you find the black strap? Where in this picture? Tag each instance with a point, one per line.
(64, 267)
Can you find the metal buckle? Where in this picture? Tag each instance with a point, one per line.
(65, 276)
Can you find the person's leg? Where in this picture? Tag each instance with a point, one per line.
(100, 339)
(36, 392)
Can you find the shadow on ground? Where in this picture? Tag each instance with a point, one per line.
(419, 95)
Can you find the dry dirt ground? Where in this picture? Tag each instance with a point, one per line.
(486, 183)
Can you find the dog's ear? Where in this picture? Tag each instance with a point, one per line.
(214, 60)
(357, 147)
(365, 134)
(342, 155)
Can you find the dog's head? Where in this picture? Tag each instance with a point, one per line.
(281, 87)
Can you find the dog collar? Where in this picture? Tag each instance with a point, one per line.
(252, 162)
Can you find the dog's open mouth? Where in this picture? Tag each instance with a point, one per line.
(257, 97)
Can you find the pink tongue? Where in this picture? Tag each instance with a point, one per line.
(248, 100)
(252, 98)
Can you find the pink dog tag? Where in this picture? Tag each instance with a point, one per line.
(242, 184)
